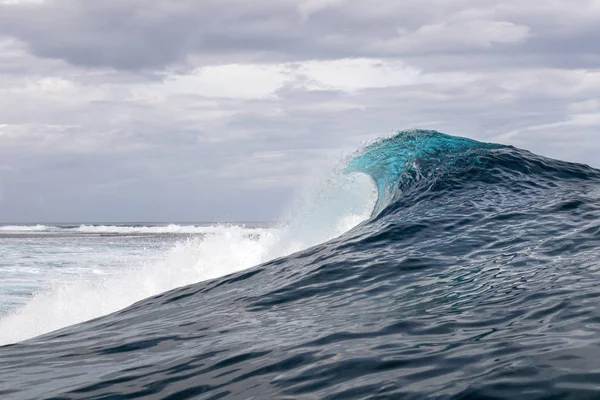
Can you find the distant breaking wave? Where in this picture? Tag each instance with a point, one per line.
(123, 229)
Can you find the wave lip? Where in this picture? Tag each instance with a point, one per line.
(409, 156)
(423, 162)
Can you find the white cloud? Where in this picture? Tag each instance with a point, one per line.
(354, 74)
(22, 1)
(243, 81)
(453, 35)
(585, 106)
(255, 81)
(308, 7)
(551, 82)
(35, 138)
(573, 121)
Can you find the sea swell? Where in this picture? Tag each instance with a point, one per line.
(476, 276)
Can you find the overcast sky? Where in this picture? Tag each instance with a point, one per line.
(190, 110)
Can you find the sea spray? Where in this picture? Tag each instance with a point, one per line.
(321, 211)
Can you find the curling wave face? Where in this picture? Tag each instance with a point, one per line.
(397, 162)
(476, 276)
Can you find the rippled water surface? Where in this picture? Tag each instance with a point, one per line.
(477, 276)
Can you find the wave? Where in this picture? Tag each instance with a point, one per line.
(430, 267)
(124, 229)
(425, 162)
(26, 228)
(387, 176)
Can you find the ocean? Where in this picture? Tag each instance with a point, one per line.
(421, 266)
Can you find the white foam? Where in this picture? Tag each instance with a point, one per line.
(120, 229)
(320, 213)
(172, 228)
(25, 228)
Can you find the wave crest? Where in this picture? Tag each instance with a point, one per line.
(426, 162)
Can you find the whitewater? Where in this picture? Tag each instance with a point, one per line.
(422, 266)
(59, 275)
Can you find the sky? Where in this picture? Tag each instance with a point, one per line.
(216, 110)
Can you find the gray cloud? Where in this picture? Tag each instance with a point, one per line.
(156, 110)
(156, 34)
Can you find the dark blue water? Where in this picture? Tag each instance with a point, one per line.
(478, 276)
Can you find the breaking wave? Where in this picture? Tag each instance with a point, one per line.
(431, 266)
